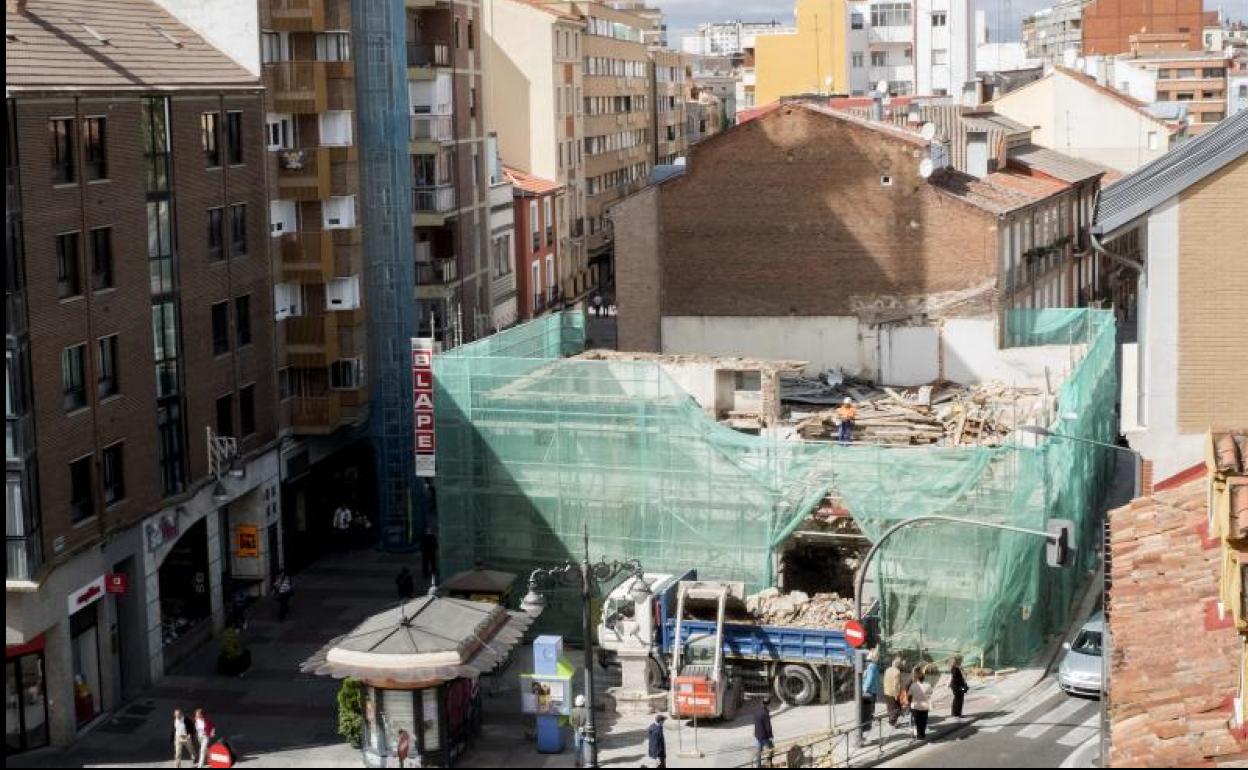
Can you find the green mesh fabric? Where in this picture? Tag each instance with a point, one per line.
(533, 445)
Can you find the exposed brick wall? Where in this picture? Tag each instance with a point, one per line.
(1107, 24)
(125, 310)
(787, 215)
(1213, 367)
(637, 271)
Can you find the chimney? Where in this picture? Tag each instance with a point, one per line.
(977, 153)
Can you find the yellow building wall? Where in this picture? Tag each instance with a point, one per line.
(813, 60)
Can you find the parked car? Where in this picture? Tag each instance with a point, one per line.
(1081, 669)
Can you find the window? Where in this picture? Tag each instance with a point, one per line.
(886, 181)
(345, 374)
(857, 59)
(335, 128)
(855, 20)
(234, 137)
(1214, 72)
(273, 47)
(242, 318)
(225, 415)
(287, 300)
(940, 56)
(1212, 117)
(68, 276)
(73, 374)
(95, 149)
(172, 455)
(535, 227)
(1152, 140)
(471, 43)
(238, 229)
(338, 212)
(61, 134)
(472, 101)
(220, 328)
(550, 221)
(940, 19)
(333, 46)
(1164, 74)
(1186, 73)
(890, 15)
(210, 132)
(106, 367)
(114, 475)
(879, 58)
(102, 258)
(216, 233)
(247, 410)
(81, 501)
(279, 132)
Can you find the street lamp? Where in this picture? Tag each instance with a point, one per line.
(589, 575)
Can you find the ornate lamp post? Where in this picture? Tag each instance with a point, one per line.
(589, 576)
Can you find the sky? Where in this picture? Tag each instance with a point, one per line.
(1004, 16)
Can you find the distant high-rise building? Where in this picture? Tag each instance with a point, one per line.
(1071, 28)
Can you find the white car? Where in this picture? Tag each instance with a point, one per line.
(1081, 669)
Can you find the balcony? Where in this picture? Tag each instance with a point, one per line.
(304, 175)
(439, 273)
(307, 257)
(432, 204)
(312, 340)
(429, 132)
(423, 59)
(416, 5)
(293, 15)
(892, 34)
(15, 312)
(315, 415)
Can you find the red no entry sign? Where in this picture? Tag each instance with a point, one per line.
(855, 634)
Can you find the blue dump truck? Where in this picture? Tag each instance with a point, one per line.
(698, 641)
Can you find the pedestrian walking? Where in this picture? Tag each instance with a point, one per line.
(871, 689)
(405, 583)
(763, 736)
(361, 529)
(597, 303)
(656, 744)
(238, 609)
(284, 589)
(578, 718)
(182, 738)
(892, 690)
(846, 413)
(920, 696)
(342, 526)
(957, 683)
(205, 731)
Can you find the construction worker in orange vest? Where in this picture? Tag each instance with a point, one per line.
(847, 413)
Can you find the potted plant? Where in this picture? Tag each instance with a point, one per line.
(234, 658)
(351, 712)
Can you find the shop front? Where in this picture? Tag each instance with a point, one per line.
(185, 595)
(26, 697)
(421, 664)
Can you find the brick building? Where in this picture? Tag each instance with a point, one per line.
(139, 353)
(868, 235)
(537, 247)
(1108, 25)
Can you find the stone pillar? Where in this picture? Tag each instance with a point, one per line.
(58, 664)
(634, 695)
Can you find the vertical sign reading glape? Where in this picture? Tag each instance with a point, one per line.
(422, 400)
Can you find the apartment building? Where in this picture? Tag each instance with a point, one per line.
(536, 103)
(944, 46)
(728, 38)
(537, 245)
(1069, 29)
(1195, 80)
(670, 80)
(450, 162)
(141, 429)
(654, 30)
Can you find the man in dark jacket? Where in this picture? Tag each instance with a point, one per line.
(762, 730)
(957, 683)
(405, 583)
(657, 744)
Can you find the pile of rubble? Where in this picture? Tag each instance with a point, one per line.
(770, 607)
(943, 413)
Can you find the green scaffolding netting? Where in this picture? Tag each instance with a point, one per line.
(533, 445)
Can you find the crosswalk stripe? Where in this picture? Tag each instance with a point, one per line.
(1052, 719)
(1042, 698)
(1083, 732)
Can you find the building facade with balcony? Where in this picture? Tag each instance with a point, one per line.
(537, 248)
(446, 81)
(141, 428)
(503, 290)
(671, 80)
(1196, 81)
(536, 103)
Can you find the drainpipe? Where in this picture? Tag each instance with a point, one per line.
(1099, 248)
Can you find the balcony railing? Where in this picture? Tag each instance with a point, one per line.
(423, 251)
(437, 273)
(294, 15)
(315, 413)
(297, 86)
(432, 128)
(434, 200)
(891, 34)
(306, 330)
(428, 55)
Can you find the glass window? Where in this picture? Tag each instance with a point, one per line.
(879, 58)
(85, 645)
(102, 258)
(107, 381)
(73, 375)
(114, 474)
(95, 148)
(26, 717)
(279, 132)
(220, 328)
(81, 501)
(216, 233)
(210, 132)
(333, 46)
(855, 20)
(68, 277)
(238, 229)
(234, 137)
(172, 447)
(271, 48)
(242, 313)
(940, 19)
(225, 415)
(857, 59)
(160, 247)
(155, 130)
(247, 410)
(61, 135)
(890, 15)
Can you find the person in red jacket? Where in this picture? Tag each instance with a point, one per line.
(205, 731)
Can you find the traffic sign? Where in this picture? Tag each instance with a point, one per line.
(855, 634)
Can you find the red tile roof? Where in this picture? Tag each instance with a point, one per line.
(745, 116)
(1175, 665)
(1000, 192)
(534, 185)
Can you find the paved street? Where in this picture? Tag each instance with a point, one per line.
(1043, 730)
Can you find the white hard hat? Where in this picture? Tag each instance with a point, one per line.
(580, 700)
(847, 400)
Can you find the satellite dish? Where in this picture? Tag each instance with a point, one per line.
(928, 131)
(926, 167)
(881, 87)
